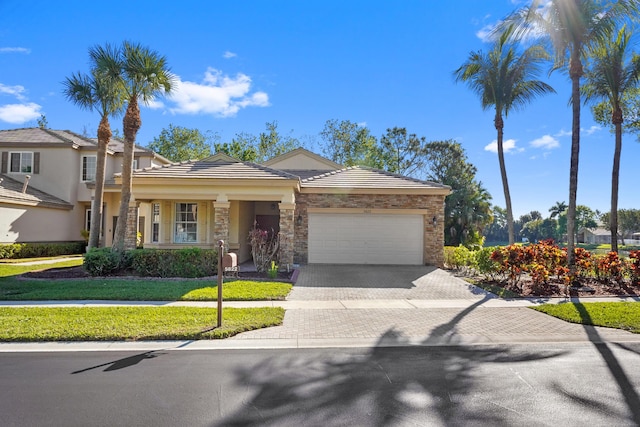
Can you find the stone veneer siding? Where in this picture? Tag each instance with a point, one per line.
(433, 236)
(131, 232)
(287, 237)
(221, 222)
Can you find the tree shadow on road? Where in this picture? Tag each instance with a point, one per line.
(389, 383)
(627, 389)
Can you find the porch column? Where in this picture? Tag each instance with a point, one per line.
(221, 222)
(287, 234)
(434, 232)
(131, 232)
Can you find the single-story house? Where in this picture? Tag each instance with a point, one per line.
(323, 212)
(594, 236)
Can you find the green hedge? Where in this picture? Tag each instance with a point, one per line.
(39, 250)
(188, 262)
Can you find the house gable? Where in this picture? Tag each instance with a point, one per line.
(301, 159)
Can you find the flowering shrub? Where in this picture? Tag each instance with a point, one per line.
(609, 268)
(541, 261)
(511, 262)
(264, 248)
(634, 267)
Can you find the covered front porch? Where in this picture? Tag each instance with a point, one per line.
(174, 224)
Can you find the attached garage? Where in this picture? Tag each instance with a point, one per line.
(366, 238)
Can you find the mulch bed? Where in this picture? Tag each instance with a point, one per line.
(78, 272)
(586, 288)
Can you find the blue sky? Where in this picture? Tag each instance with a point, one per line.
(241, 64)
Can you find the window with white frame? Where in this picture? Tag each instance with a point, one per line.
(155, 224)
(186, 224)
(21, 162)
(88, 168)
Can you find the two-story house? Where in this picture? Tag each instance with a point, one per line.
(47, 184)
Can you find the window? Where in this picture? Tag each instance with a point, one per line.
(135, 164)
(87, 219)
(22, 162)
(186, 229)
(155, 224)
(88, 168)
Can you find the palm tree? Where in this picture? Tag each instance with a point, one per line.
(144, 75)
(608, 78)
(504, 80)
(572, 28)
(96, 91)
(557, 209)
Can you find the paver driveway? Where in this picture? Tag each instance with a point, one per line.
(345, 304)
(388, 282)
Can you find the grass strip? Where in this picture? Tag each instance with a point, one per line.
(12, 289)
(130, 323)
(619, 315)
(14, 268)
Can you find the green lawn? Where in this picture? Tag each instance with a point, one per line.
(130, 323)
(10, 268)
(620, 315)
(12, 289)
(139, 289)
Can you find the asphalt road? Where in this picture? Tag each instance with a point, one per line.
(535, 384)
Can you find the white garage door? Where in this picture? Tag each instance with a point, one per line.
(366, 239)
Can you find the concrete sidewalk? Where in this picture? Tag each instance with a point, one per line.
(448, 311)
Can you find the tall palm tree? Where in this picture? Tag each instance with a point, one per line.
(144, 75)
(97, 91)
(506, 81)
(608, 78)
(572, 28)
(557, 209)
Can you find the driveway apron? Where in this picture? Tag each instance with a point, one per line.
(398, 305)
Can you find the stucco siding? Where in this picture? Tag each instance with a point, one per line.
(33, 224)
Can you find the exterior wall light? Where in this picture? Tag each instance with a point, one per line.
(299, 220)
(435, 221)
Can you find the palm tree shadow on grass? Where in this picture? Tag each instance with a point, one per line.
(384, 385)
(629, 393)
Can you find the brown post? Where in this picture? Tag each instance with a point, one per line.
(220, 280)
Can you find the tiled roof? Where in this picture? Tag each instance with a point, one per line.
(43, 136)
(305, 173)
(11, 192)
(117, 146)
(367, 178)
(214, 170)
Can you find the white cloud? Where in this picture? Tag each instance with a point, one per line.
(593, 129)
(229, 55)
(562, 133)
(218, 94)
(486, 33)
(154, 104)
(547, 142)
(19, 113)
(508, 146)
(13, 90)
(15, 50)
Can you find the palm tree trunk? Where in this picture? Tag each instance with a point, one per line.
(499, 124)
(575, 72)
(131, 124)
(104, 135)
(615, 178)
